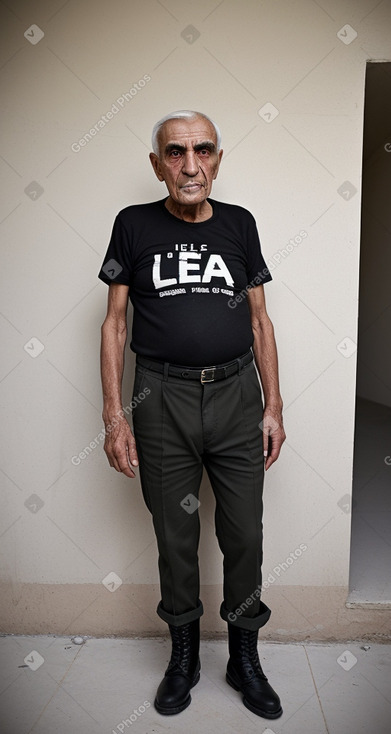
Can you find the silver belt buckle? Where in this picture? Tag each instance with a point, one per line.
(207, 378)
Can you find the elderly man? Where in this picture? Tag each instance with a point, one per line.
(193, 269)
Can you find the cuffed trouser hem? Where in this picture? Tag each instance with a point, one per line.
(247, 623)
(176, 620)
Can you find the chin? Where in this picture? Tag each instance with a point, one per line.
(192, 198)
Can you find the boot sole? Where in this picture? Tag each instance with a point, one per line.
(177, 709)
(249, 706)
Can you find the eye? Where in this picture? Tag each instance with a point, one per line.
(175, 154)
(204, 151)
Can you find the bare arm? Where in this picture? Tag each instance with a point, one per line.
(120, 446)
(265, 353)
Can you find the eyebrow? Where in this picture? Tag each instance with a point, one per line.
(209, 144)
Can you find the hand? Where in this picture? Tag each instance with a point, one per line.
(120, 446)
(273, 435)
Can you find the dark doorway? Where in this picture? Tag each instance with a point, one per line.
(370, 561)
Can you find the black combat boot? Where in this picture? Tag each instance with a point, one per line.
(244, 673)
(183, 671)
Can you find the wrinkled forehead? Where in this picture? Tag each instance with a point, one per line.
(187, 131)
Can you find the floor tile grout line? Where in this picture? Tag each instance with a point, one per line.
(75, 700)
(241, 708)
(58, 685)
(316, 689)
(11, 683)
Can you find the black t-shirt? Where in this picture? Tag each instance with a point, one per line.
(187, 281)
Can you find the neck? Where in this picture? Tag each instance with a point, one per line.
(189, 213)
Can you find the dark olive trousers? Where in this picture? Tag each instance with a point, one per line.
(180, 426)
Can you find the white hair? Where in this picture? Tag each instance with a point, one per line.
(181, 114)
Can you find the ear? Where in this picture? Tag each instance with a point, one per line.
(155, 161)
(219, 157)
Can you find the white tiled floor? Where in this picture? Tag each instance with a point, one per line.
(95, 687)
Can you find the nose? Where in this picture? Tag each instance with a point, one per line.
(190, 163)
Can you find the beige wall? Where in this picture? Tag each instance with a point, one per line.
(65, 526)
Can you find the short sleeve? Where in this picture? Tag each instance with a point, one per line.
(117, 266)
(257, 270)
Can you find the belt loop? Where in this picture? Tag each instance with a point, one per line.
(165, 371)
(240, 365)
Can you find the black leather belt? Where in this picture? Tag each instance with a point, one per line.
(203, 374)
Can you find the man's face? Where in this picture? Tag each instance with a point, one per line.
(188, 160)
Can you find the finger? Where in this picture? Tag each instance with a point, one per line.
(119, 462)
(265, 444)
(275, 450)
(128, 472)
(114, 463)
(132, 452)
(111, 458)
(124, 464)
(273, 456)
(269, 462)
(129, 468)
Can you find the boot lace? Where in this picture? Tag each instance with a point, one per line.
(249, 654)
(181, 650)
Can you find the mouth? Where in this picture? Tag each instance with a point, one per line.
(193, 186)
